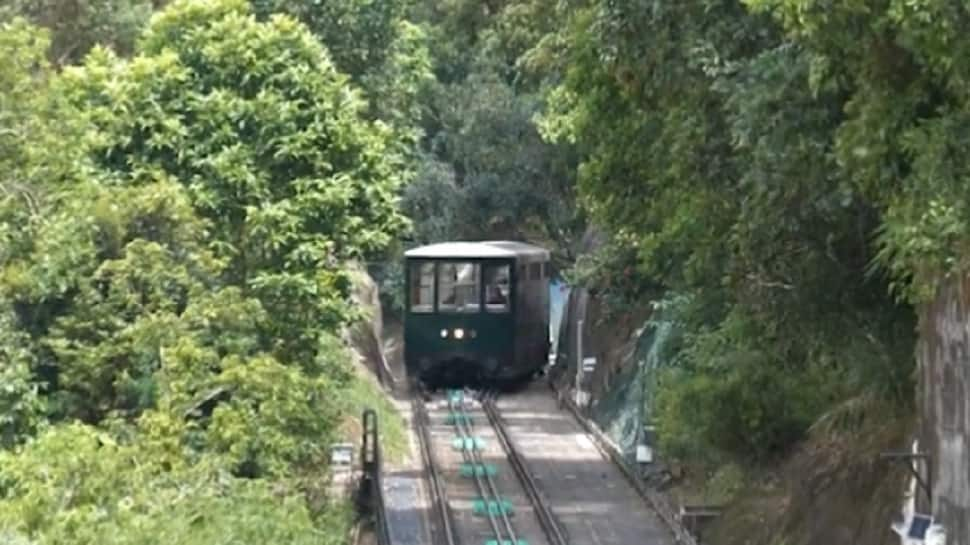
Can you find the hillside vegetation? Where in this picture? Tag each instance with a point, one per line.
(784, 178)
(182, 184)
(173, 228)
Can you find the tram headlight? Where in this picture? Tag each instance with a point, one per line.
(444, 333)
(459, 333)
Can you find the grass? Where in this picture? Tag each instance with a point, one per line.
(366, 394)
(707, 485)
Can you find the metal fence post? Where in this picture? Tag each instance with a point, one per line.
(371, 462)
(579, 361)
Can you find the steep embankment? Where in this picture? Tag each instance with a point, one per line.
(832, 488)
(365, 338)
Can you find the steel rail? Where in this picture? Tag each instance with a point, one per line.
(550, 526)
(465, 428)
(486, 491)
(446, 532)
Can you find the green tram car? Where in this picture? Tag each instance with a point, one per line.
(477, 312)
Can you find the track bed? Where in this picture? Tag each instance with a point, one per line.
(480, 493)
(589, 496)
(538, 461)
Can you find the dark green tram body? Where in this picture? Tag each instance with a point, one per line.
(477, 311)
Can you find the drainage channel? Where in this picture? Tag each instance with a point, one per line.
(476, 501)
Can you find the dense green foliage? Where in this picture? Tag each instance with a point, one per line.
(173, 232)
(722, 178)
(486, 171)
(900, 70)
(119, 494)
(750, 155)
(790, 165)
(77, 25)
(180, 191)
(482, 169)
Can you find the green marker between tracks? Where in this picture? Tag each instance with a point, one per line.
(494, 507)
(455, 397)
(468, 443)
(470, 470)
(457, 417)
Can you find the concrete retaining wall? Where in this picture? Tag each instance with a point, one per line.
(944, 395)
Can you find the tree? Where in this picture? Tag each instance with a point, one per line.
(174, 230)
(78, 484)
(359, 34)
(492, 170)
(486, 172)
(900, 68)
(33, 118)
(268, 139)
(34, 123)
(76, 26)
(22, 408)
(373, 42)
(707, 152)
(192, 255)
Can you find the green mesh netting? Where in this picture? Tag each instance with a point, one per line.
(630, 399)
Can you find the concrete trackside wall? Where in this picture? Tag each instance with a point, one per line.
(944, 398)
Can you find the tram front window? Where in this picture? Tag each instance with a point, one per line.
(497, 288)
(458, 286)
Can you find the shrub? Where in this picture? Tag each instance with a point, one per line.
(76, 484)
(743, 405)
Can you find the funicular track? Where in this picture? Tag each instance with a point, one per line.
(443, 532)
(494, 519)
(543, 512)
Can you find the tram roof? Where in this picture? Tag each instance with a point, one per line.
(480, 249)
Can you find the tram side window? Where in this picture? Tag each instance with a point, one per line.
(497, 288)
(458, 286)
(422, 287)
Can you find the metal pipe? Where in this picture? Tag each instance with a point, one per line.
(579, 358)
